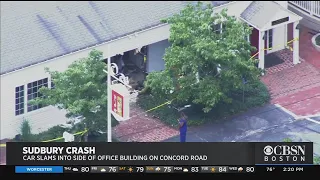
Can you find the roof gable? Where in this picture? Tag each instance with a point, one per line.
(258, 12)
(261, 14)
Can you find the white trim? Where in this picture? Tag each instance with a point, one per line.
(314, 121)
(86, 49)
(282, 24)
(261, 50)
(265, 27)
(296, 35)
(249, 23)
(287, 111)
(286, 35)
(291, 15)
(311, 116)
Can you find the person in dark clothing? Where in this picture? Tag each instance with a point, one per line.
(183, 127)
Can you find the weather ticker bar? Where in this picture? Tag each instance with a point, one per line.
(167, 169)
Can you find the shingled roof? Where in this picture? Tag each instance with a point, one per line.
(35, 31)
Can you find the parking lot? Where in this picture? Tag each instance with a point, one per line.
(265, 124)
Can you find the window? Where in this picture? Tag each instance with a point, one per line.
(270, 37)
(247, 38)
(52, 85)
(223, 27)
(19, 100)
(217, 28)
(33, 92)
(279, 21)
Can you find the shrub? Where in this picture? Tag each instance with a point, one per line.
(57, 132)
(165, 113)
(99, 137)
(316, 160)
(25, 131)
(252, 95)
(287, 140)
(318, 40)
(52, 133)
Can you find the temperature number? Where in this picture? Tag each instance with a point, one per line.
(195, 169)
(112, 169)
(140, 169)
(85, 169)
(222, 169)
(250, 169)
(167, 169)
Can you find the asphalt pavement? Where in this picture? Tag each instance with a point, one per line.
(265, 124)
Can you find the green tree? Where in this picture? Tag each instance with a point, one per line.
(81, 90)
(205, 61)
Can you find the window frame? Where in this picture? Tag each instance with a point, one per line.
(218, 28)
(52, 85)
(19, 100)
(270, 38)
(33, 92)
(247, 38)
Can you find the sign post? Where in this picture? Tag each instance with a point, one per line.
(109, 129)
(118, 94)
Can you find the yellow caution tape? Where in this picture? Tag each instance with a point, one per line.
(168, 102)
(296, 39)
(56, 139)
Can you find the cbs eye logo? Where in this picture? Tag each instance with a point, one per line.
(268, 150)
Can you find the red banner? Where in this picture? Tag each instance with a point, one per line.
(117, 103)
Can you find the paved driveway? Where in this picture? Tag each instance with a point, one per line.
(316, 118)
(265, 124)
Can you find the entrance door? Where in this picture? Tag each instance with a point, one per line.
(276, 39)
(269, 41)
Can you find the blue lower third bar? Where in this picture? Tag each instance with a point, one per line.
(39, 169)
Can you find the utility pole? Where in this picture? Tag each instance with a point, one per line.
(109, 131)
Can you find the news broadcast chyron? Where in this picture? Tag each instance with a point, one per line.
(158, 153)
(88, 153)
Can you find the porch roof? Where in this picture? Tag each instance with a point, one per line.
(261, 14)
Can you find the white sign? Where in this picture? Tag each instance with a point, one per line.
(120, 102)
(68, 137)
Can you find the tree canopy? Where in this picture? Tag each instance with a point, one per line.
(81, 90)
(209, 56)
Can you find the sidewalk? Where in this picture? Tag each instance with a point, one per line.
(307, 51)
(143, 128)
(298, 88)
(302, 103)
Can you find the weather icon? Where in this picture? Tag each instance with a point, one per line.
(240, 169)
(103, 170)
(75, 169)
(158, 168)
(185, 170)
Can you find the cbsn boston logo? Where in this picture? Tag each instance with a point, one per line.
(284, 153)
